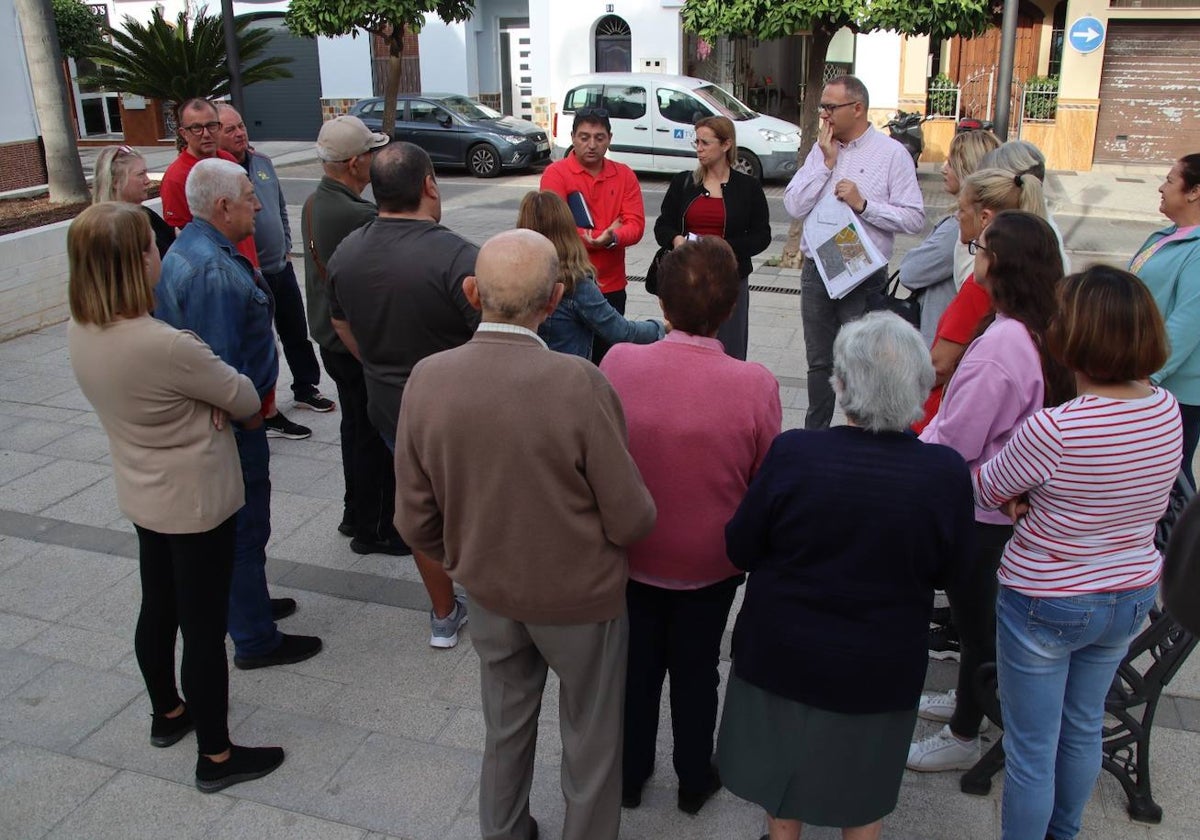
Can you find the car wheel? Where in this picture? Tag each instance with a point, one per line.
(483, 161)
(747, 162)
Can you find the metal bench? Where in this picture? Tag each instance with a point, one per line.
(1154, 658)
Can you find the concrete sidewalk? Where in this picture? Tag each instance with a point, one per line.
(384, 735)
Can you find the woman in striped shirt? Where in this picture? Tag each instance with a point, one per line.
(1085, 482)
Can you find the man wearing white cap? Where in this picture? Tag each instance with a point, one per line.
(345, 146)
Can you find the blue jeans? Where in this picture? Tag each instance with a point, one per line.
(1056, 658)
(250, 624)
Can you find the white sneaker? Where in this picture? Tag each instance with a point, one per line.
(940, 707)
(444, 631)
(942, 751)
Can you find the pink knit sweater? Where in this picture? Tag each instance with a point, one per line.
(700, 424)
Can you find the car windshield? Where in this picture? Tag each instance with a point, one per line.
(468, 108)
(726, 104)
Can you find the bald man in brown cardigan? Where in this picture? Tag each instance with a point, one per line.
(512, 469)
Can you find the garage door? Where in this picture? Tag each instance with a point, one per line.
(1149, 98)
(286, 109)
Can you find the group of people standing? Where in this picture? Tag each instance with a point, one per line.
(601, 505)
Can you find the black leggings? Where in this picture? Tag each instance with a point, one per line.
(973, 607)
(185, 588)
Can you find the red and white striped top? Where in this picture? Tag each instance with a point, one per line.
(1098, 472)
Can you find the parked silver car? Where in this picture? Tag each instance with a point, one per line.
(458, 131)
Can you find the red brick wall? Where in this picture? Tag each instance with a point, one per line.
(21, 165)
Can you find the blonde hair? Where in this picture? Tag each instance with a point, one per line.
(1000, 189)
(723, 128)
(107, 279)
(967, 151)
(112, 172)
(546, 213)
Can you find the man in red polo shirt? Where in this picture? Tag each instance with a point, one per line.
(199, 126)
(613, 195)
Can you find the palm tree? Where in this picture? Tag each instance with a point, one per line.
(179, 61)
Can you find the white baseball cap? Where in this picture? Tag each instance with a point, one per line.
(345, 137)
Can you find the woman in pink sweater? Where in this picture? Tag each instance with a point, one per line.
(700, 424)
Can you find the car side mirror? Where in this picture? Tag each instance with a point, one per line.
(445, 121)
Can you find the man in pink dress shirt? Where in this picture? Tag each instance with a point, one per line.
(874, 175)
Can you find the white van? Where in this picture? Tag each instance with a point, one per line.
(652, 118)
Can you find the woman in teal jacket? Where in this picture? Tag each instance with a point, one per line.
(1169, 264)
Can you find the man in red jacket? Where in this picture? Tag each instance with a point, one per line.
(613, 196)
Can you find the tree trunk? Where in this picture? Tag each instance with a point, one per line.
(814, 84)
(391, 85)
(42, 54)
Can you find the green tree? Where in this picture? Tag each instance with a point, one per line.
(78, 27)
(389, 19)
(768, 19)
(175, 62)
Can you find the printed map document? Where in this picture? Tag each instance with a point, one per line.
(843, 252)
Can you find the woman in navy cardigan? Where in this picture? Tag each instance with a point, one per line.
(845, 532)
(717, 200)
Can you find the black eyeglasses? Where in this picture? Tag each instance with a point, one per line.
(592, 112)
(830, 107)
(196, 129)
(974, 246)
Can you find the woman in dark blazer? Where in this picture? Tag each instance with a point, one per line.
(717, 200)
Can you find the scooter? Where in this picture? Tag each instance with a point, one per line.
(972, 124)
(905, 128)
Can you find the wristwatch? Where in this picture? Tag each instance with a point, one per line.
(864, 207)
(612, 244)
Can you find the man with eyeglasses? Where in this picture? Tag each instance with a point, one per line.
(874, 175)
(614, 197)
(273, 240)
(199, 128)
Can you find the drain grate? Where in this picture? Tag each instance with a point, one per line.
(777, 290)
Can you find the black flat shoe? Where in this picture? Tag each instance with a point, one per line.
(291, 650)
(243, 764)
(631, 797)
(691, 801)
(165, 731)
(395, 547)
(282, 607)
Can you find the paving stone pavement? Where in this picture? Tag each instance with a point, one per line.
(383, 733)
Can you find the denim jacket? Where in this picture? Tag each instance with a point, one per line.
(209, 288)
(585, 313)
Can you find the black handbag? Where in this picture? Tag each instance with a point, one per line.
(652, 271)
(888, 299)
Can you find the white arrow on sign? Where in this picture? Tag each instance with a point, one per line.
(1088, 35)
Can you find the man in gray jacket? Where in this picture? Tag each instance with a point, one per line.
(273, 238)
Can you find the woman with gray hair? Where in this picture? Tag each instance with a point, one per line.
(845, 532)
(120, 175)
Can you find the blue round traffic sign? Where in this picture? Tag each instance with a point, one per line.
(1086, 35)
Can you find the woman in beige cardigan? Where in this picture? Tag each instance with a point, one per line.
(165, 401)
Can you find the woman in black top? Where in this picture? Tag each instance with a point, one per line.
(120, 175)
(717, 200)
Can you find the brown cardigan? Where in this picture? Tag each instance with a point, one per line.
(512, 469)
(153, 388)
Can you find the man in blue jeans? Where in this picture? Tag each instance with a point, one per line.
(209, 288)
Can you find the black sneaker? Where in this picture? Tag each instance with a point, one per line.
(291, 650)
(943, 643)
(165, 731)
(243, 764)
(315, 401)
(281, 427)
(282, 608)
(395, 546)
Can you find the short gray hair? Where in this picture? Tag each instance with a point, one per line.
(881, 372)
(212, 179)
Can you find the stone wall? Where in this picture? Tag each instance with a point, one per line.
(21, 165)
(331, 108)
(33, 279)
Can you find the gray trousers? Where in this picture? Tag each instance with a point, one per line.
(589, 660)
(822, 317)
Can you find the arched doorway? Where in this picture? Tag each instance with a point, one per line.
(613, 51)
